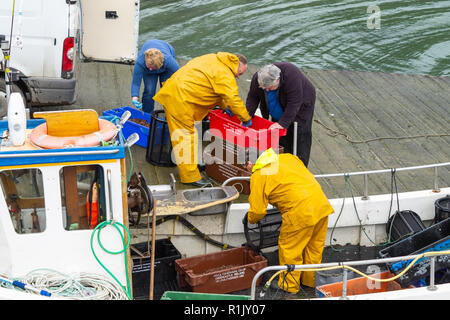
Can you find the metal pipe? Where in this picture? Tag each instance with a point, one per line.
(366, 188)
(432, 287)
(234, 178)
(436, 178)
(357, 172)
(109, 211)
(344, 284)
(294, 147)
(53, 154)
(152, 259)
(382, 170)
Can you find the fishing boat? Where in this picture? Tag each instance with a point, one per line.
(65, 217)
(64, 201)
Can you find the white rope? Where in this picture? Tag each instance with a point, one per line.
(79, 286)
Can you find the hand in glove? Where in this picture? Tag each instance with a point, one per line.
(247, 123)
(137, 104)
(228, 112)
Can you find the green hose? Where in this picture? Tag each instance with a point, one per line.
(98, 229)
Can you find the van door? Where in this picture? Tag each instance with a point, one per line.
(109, 30)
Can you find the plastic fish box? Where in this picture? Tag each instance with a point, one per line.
(220, 170)
(130, 126)
(165, 275)
(433, 238)
(222, 272)
(258, 135)
(234, 154)
(360, 285)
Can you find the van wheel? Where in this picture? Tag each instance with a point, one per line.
(3, 102)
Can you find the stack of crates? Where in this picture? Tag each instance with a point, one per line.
(433, 238)
(165, 275)
(131, 126)
(233, 145)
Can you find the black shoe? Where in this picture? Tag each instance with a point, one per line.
(200, 183)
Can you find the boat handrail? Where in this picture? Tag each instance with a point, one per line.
(366, 173)
(343, 264)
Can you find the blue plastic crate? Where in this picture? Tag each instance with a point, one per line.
(131, 127)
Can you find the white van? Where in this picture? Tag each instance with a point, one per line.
(46, 35)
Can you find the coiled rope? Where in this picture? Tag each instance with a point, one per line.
(78, 286)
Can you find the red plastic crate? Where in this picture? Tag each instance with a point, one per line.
(257, 136)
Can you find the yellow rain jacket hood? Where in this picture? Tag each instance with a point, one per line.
(204, 82)
(291, 188)
(267, 157)
(188, 96)
(304, 208)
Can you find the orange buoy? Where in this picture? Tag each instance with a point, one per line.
(39, 137)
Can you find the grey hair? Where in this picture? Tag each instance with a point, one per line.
(268, 75)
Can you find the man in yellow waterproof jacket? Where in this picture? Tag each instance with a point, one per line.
(284, 182)
(188, 96)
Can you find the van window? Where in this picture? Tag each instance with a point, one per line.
(82, 196)
(24, 193)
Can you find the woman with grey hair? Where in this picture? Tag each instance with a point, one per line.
(283, 92)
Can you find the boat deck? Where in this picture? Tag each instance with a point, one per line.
(363, 121)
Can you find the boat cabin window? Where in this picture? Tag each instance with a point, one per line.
(24, 193)
(82, 196)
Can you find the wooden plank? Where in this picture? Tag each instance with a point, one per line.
(168, 207)
(418, 150)
(70, 122)
(410, 90)
(385, 124)
(354, 156)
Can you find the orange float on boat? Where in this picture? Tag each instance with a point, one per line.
(39, 137)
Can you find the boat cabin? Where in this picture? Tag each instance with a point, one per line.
(52, 199)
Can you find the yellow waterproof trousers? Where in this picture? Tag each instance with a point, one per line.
(185, 147)
(304, 246)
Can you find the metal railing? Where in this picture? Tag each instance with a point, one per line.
(342, 265)
(366, 175)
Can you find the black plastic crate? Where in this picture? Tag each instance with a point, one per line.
(442, 209)
(404, 224)
(165, 275)
(265, 233)
(434, 238)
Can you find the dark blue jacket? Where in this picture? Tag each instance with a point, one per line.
(296, 95)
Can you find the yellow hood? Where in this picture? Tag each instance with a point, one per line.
(230, 60)
(197, 87)
(267, 157)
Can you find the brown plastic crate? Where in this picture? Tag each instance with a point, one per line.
(222, 272)
(235, 154)
(221, 171)
(231, 163)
